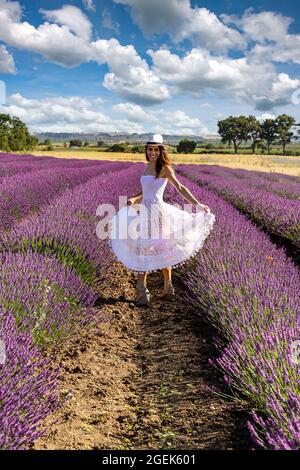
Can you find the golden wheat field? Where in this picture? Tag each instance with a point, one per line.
(268, 163)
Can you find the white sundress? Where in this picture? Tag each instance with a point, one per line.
(157, 234)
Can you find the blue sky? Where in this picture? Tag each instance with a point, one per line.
(172, 66)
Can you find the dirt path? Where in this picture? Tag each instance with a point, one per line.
(140, 382)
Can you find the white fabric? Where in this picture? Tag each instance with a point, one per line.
(156, 234)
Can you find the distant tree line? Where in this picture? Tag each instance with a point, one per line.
(14, 135)
(237, 129)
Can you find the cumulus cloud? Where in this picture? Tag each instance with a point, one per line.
(76, 114)
(72, 17)
(253, 79)
(61, 114)
(180, 119)
(198, 71)
(269, 31)
(288, 50)
(279, 94)
(260, 27)
(181, 21)
(7, 63)
(130, 75)
(177, 120)
(135, 113)
(56, 43)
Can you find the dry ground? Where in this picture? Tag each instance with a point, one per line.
(140, 381)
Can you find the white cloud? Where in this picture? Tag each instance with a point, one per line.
(198, 72)
(89, 5)
(205, 105)
(178, 122)
(263, 116)
(279, 94)
(7, 64)
(269, 31)
(288, 50)
(72, 17)
(252, 79)
(107, 21)
(259, 27)
(130, 75)
(76, 114)
(181, 21)
(99, 101)
(135, 113)
(181, 119)
(56, 43)
(61, 114)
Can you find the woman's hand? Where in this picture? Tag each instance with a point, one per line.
(131, 201)
(204, 207)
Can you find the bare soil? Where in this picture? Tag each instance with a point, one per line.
(139, 381)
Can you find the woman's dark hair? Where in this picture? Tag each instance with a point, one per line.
(162, 160)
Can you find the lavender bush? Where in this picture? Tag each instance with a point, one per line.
(249, 290)
(25, 193)
(28, 387)
(66, 228)
(279, 215)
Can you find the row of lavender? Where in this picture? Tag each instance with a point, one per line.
(24, 193)
(50, 263)
(11, 164)
(283, 185)
(279, 215)
(249, 289)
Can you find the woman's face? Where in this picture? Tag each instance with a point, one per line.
(153, 152)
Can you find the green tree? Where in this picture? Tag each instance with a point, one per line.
(32, 142)
(269, 132)
(284, 132)
(254, 132)
(118, 147)
(4, 143)
(75, 143)
(186, 146)
(138, 149)
(235, 129)
(14, 134)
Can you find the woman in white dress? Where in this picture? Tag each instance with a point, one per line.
(183, 234)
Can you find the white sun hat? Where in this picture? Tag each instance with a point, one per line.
(156, 139)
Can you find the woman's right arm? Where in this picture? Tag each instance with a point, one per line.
(135, 199)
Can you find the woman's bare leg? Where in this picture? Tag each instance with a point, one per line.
(167, 272)
(142, 277)
(142, 294)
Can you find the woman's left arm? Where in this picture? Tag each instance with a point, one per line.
(170, 174)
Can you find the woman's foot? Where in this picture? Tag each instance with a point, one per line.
(168, 292)
(142, 294)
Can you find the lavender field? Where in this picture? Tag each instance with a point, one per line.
(241, 283)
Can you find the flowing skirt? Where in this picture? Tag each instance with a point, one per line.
(157, 235)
